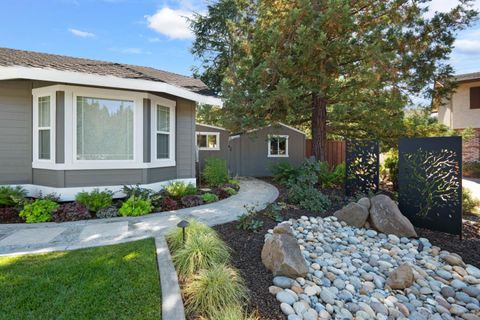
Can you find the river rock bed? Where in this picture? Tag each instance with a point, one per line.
(348, 269)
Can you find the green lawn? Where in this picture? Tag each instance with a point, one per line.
(112, 282)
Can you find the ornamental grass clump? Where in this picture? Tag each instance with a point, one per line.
(199, 252)
(195, 229)
(213, 290)
(233, 312)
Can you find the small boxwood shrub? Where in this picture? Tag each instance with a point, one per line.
(179, 189)
(11, 196)
(191, 201)
(215, 171)
(169, 204)
(209, 197)
(95, 200)
(39, 210)
(9, 215)
(108, 212)
(135, 206)
(214, 289)
(72, 211)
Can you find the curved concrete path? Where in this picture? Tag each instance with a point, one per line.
(45, 237)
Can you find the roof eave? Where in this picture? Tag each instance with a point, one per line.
(53, 75)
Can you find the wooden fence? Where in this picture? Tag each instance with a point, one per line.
(335, 151)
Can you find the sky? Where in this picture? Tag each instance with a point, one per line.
(149, 32)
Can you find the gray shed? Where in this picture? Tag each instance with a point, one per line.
(252, 153)
(211, 141)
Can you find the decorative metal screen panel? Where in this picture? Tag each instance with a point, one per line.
(361, 166)
(430, 182)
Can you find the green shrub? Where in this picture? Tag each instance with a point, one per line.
(137, 191)
(11, 196)
(471, 169)
(331, 177)
(234, 183)
(135, 206)
(213, 290)
(95, 200)
(195, 229)
(209, 197)
(202, 251)
(390, 168)
(40, 210)
(179, 189)
(215, 171)
(283, 172)
(308, 198)
(230, 191)
(248, 221)
(469, 203)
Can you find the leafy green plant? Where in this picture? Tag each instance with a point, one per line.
(11, 196)
(95, 200)
(179, 189)
(169, 204)
(283, 172)
(135, 206)
(200, 252)
(331, 177)
(108, 212)
(214, 289)
(248, 221)
(209, 197)
(215, 171)
(71, 211)
(234, 183)
(469, 203)
(308, 198)
(230, 191)
(274, 211)
(39, 210)
(137, 191)
(195, 229)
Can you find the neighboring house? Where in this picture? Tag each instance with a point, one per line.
(253, 152)
(70, 124)
(462, 110)
(212, 141)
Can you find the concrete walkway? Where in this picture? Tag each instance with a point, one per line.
(45, 237)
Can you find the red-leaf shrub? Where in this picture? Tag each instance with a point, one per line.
(191, 201)
(9, 215)
(221, 193)
(168, 204)
(72, 211)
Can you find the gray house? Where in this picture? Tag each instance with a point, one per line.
(70, 124)
(212, 141)
(252, 152)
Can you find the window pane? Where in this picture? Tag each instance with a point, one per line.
(282, 146)
(44, 144)
(44, 112)
(104, 129)
(202, 141)
(212, 141)
(163, 118)
(162, 145)
(273, 146)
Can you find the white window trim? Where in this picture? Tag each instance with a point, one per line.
(36, 128)
(216, 134)
(71, 92)
(153, 146)
(269, 146)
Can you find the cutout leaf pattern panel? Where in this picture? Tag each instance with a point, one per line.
(362, 166)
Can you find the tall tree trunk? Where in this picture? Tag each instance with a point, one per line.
(319, 127)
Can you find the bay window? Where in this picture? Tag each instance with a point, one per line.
(278, 146)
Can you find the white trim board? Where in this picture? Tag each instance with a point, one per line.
(210, 126)
(68, 194)
(71, 77)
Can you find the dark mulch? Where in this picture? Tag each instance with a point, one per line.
(247, 246)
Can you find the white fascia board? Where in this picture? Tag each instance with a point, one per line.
(48, 74)
(210, 126)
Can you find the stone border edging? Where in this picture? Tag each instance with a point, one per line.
(172, 303)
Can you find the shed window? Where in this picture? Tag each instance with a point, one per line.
(208, 140)
(475, 98)
(278, 146)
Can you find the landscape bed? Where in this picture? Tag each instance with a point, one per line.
(113, 282)
(247, 246)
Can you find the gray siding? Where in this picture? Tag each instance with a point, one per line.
(15, 132)
(223, 153)
(252, 151)
(160, 174)
(185, 149)
(49, 178)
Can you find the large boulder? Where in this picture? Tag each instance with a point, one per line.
(387, 218)
(282, 255)
(353, 214)
(400, 278)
